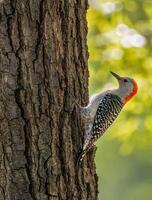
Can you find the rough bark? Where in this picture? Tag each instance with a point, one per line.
(43, 70)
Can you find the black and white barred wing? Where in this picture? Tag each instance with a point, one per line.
(107, 111)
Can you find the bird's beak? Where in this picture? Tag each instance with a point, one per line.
(116, 75)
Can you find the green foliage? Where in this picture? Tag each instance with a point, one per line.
(120, 39)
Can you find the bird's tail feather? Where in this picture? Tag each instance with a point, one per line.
(80, 157)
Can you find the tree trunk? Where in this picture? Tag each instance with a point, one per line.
(43, 70)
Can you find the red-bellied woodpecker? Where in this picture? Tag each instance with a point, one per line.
(103, 109)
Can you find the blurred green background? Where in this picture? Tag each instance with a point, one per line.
(120, 39)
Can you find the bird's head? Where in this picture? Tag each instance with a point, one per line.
(127, 87)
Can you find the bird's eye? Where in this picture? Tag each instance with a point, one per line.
(125, 80)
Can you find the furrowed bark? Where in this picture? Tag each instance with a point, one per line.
(43, 71)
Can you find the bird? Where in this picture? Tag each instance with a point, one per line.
(103, 109)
